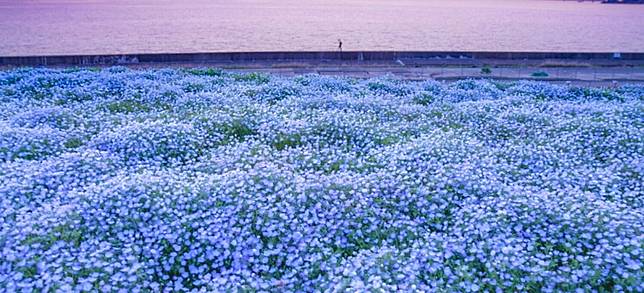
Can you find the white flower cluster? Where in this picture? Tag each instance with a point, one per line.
(204, 180)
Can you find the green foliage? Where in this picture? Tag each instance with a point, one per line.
(424, 98)
(287, 141)
(237, 129)
(73, 143)
(539, 74)
(252, 77)
(134, 106)
(64, 232)
(127, 106)
(205, 71)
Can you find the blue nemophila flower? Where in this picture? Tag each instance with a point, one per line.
(204, 180)
(157, 142)
(29, 143)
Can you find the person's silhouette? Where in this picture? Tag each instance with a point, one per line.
(340, 45)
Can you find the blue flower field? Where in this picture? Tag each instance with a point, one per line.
(125, 180)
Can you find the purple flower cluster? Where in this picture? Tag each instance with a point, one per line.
(205, 180)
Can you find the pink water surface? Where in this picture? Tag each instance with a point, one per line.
(136, 26)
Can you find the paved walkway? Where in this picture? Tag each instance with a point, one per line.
(574, 72)
(597, 74)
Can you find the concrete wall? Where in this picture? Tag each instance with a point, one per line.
(232, 57)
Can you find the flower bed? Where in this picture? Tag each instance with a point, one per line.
(203, 179)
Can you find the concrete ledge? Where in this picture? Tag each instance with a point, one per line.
(456, 58)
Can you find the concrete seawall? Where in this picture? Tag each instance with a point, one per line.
(422, 57)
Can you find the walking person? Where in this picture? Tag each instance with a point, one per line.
(340, 44)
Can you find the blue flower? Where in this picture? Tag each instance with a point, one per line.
(204, 180)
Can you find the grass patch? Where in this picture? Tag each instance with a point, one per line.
(539, 74)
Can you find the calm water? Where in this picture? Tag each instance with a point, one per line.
(129, 26)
